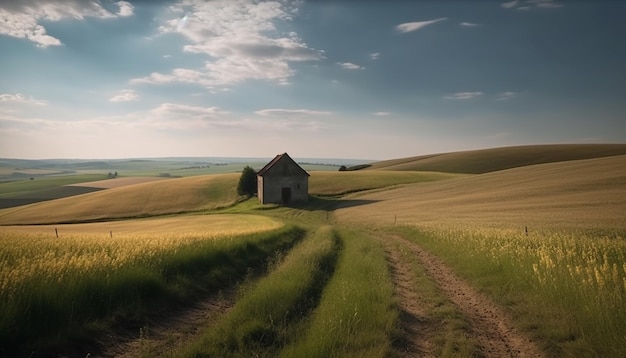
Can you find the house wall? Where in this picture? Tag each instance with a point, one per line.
(283, 175)
(273, 189)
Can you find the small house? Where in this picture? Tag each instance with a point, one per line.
(282, 181)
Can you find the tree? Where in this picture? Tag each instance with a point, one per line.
(247, 182)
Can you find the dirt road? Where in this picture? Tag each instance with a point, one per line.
(488, 325)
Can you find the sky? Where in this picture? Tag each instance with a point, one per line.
(317, 79)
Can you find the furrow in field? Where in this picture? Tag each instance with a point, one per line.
(491, 327)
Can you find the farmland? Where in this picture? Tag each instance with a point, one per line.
(523, 259)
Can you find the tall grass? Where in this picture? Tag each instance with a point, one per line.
(266, 316)
(568, 287)
(53, 290)
(357, 312)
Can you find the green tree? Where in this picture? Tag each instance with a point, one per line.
(247, 182)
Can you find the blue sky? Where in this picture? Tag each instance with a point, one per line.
(334, 79)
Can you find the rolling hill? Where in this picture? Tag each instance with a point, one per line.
(489, 160)
(565, 188)
(588, 194)
(139, 200)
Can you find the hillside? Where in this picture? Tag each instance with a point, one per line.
(587, 194)
(489, 160)
(139, 200)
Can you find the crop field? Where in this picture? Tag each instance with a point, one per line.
(527, 261)
(140, 200)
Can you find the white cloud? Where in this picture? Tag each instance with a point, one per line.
(350, 66)
(21, 18)
(126, 8)
(509, 4)
(469, 24)
(506, 96)
(464, 95)
(278, 112)
(382, 114)
(20, 98)
(549, 5)
(239, 38)
(374, 56)
(175, 110)
(414, 26)
(527, 4)
(124, 96)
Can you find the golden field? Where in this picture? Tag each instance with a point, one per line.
(139, 200)
(35, 250)
(585, 194)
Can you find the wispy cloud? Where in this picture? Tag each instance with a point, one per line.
(528, 4)
(124, 96)
(414, 26)
(279, 112)
(506, 96)
(374, 56)
(382, 114)
(469, 24)
(240, 41)
(509, 4)
(21, 18)
(350, 66)
(464, 95)
(20, 98)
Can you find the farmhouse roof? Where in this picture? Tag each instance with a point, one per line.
(277, 159)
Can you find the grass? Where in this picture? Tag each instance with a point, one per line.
(586, 194)
(140, 200)
(357, 313)
(267, 315)
(567, 288)
(31, 188)
(332, 296)
(448, 327)
(179, 227)
(338, 183)
(489, 160)
(54, 290)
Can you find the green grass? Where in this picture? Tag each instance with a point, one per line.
(47, 314)
(32, 188)
(357, 312)
(566, 288)
(267, 315)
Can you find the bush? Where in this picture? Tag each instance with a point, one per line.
(247, 182)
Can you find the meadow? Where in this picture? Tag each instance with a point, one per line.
(545, 242)
(58, 289)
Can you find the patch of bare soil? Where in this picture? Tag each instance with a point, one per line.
(489, 325)
(161, 335)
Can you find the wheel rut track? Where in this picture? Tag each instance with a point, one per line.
(489, 325)
(173, 330)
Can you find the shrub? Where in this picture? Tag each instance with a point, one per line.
(247, 182)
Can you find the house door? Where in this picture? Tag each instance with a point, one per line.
(286, 195)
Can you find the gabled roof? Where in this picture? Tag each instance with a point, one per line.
(277, 159)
